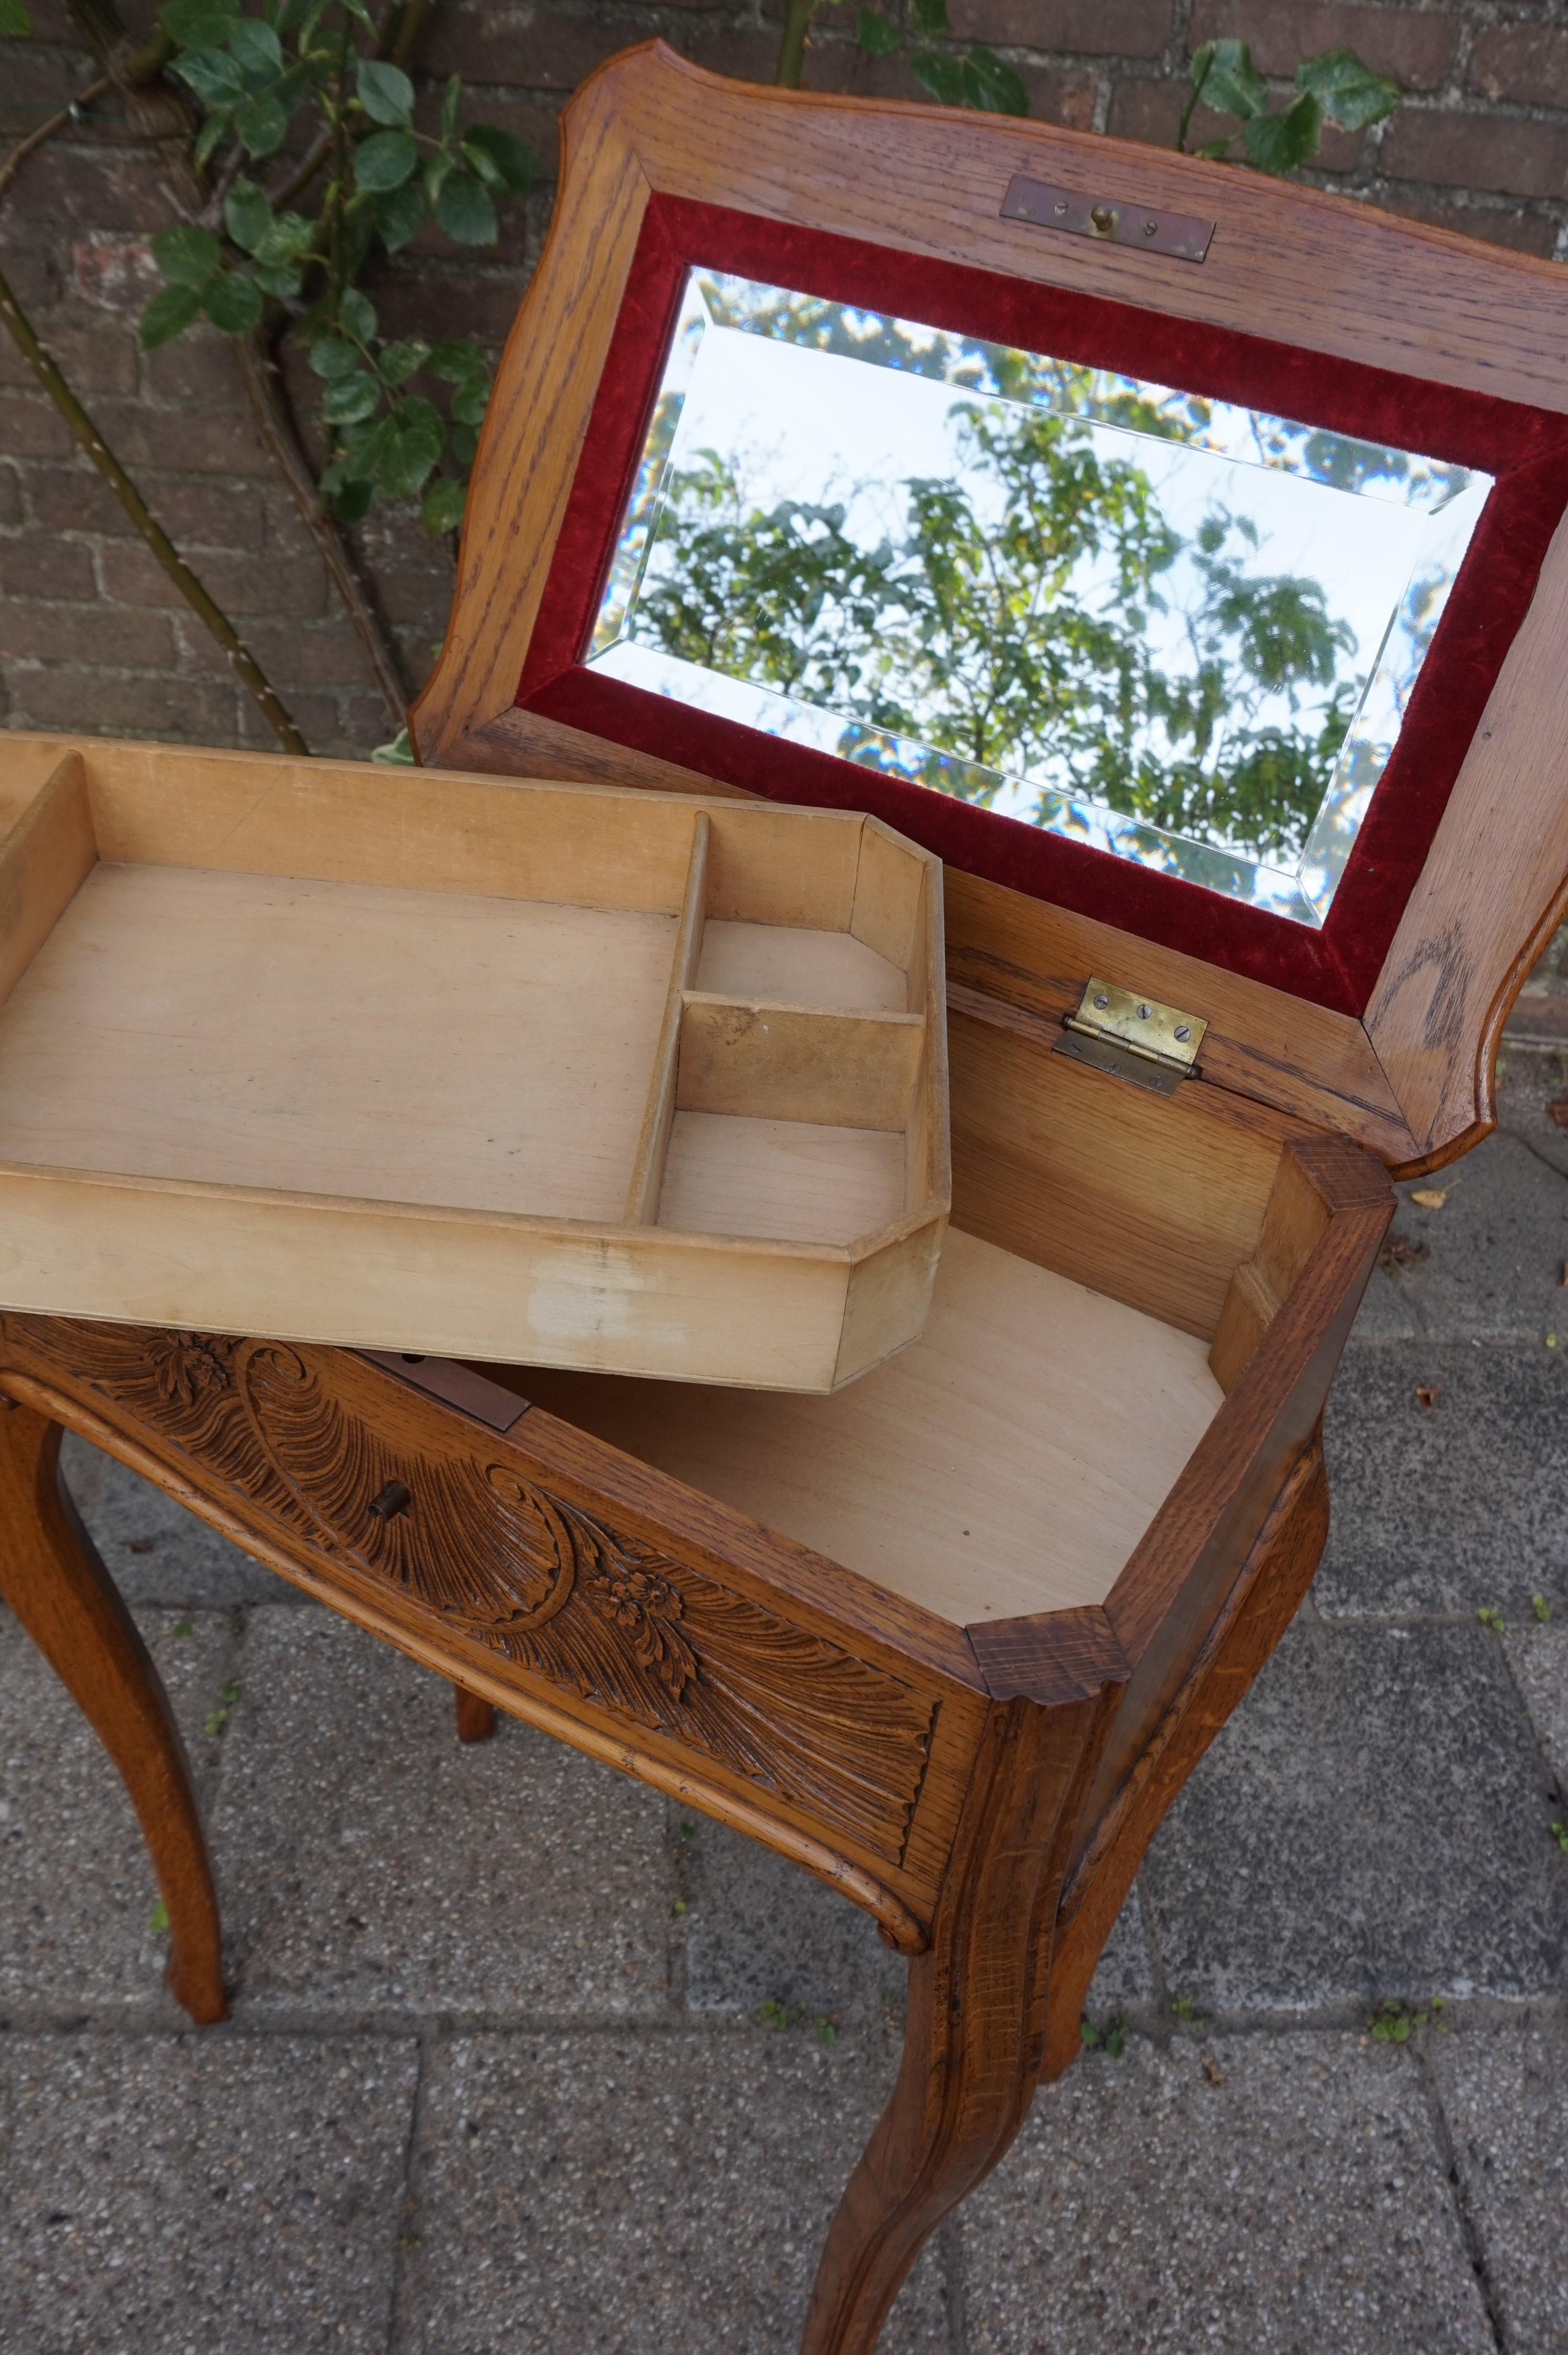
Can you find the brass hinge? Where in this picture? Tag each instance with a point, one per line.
(1133, 1037)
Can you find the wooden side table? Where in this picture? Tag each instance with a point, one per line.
(546, 1573)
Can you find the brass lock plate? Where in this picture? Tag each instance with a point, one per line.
(1179, 236)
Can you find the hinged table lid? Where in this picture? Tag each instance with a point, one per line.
(1176, 552)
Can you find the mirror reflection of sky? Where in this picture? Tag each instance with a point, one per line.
(805, 401)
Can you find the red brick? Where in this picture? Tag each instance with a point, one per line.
(46, 568)
(31, 427)
(745, 55)
(113, 636)
(196, 513)
(1528, 62)
(1478, 151)
(92, 357)
(114, 273)
(543, 50)
(84, 187)
(1498, 227)
(1150, 112)
(198, 365)
(1120, 28)
(193, 441)
(31, 264)
(101, 703)
(324, 655)
(34, 84)
(10, 498)
(451, 299)
(1415, 46)
(267, 583)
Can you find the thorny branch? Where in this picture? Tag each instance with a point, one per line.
(163, 117)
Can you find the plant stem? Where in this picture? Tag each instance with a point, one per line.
(241, 661)
(19, 155)
(798, 14)
(1188, 110)
(270, 406)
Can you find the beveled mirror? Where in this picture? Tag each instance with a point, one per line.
(1177, 629)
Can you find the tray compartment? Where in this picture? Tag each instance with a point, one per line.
(332, 1011)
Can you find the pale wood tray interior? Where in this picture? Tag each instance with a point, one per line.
(284, 1008)
(1007, 1462)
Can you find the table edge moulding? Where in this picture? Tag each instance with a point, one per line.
(763, 1602)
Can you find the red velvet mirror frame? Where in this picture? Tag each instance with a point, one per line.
(1525, 448)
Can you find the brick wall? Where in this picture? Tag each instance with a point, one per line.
(93, 637)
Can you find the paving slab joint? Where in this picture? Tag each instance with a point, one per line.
(1470, 2227)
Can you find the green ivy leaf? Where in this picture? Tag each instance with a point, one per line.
(457, 359)
(991, 87)
(289, 237)
(875, 35)
(169, 315)
(409, 448)
(199, 24)
(470, 401)
(464, 210)
(385, 92)
(212, 74)
(232, 301)
(384, 161)
(187, 256)
(247, 214)
(399, 216)
(263, 124)
(354, 500)
(929, 18)
(212, 133)
(505, 162)
(940, 77)
(451, 99)
(15, 24)
(352, 399)
(443, 503)
(1231, 85)
(462, 442)
(284, 283)
(402, 360)
(1348, 89)
(358, 314)
(332, 358)
(257, 51)
(435, 173)
(1281, 143)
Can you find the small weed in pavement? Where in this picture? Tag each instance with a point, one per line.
(1111, 2040)
(1560, 1834)
(158, 1919)
(1394, 2022)
(1490, 1616)
(227, 1696)
(184, 1627)
(1542, 1608)
(1186, 2011)
(776, 2014)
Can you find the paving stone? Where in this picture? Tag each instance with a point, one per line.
(369, 1860)
(1455, 1505)
(1495, 1249)
(1297, 2205)
(762, 1929)
(1504, 2094)
(1124, 1978)
(1370, 1824)
(155, 1549)
(1539, 1658)
(211, 2195)
(656, 2195)
(1387, 1312)
(75, 1886)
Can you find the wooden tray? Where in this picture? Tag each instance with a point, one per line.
(504, 1069)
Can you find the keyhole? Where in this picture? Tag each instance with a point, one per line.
(393, 1500)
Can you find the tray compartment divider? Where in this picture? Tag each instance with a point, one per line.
(44, 861)
(652, 1141)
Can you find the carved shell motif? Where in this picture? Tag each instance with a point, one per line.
(531, 1575)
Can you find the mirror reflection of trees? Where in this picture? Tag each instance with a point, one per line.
(1033, 613)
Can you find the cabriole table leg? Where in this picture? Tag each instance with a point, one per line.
(976, 2024)
(59, 1590)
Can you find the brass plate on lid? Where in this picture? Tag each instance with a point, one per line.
(1112, 219)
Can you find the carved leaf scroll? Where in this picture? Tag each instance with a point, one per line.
(531, 1576)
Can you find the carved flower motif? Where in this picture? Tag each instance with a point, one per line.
(184, 1363)
(647, 1606)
